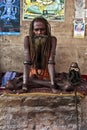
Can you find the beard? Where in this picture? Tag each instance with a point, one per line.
(39, 40)
(40, 49)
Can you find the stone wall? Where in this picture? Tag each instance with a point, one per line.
(68, 48)
(38, 111)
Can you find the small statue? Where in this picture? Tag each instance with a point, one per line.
(74, 74)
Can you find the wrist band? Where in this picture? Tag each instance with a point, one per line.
(27, 62)
(51, 62)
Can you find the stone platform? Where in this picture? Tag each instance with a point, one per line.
(40, 111)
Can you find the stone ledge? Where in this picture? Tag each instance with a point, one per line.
(39, 111)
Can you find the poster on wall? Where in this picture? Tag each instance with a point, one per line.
(79, 4)
(79, 28)
(79, 9)
(9, 17)
(49, 9)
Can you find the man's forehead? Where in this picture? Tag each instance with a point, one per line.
(39, 24)
(39, 21)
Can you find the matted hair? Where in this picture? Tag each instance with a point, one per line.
(46, 47)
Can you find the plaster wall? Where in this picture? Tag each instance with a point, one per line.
(68, 50)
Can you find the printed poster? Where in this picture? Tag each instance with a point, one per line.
(79, 9)
(79, 4)
(79, 28)
(49, 9)
(9, 17)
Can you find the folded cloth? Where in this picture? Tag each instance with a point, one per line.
(9, 75)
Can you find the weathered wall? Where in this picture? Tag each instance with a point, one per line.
(68, 48)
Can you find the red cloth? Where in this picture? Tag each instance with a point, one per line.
(44, 74)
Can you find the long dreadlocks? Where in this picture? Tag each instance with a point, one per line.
(40, 50)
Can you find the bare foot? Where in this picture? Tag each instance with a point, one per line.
(54, 90)
(23, 90)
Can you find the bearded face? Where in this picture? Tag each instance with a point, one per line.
(41, 45)
(39, 40)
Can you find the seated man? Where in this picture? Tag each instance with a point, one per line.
(39, 53)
